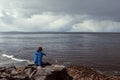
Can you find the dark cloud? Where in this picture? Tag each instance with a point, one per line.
(104, 8)
(60, 15)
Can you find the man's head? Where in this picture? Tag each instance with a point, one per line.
(39, 49)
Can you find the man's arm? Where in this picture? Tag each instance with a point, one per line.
(43, 54)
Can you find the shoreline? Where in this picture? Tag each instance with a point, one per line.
(107, 72)
(76, 72)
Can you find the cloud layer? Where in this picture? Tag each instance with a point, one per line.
(60, 15)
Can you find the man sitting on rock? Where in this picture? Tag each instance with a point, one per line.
(38, 56)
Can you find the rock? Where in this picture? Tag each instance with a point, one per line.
(14, 72)
(31, 72)
(85, 73)
(52, 72)
(19, 77)
(59, 75)
(28, 71)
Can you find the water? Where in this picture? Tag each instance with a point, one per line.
(101, 51)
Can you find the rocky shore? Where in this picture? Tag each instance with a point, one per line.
(52, 72)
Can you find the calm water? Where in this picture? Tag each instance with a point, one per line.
(101, 51)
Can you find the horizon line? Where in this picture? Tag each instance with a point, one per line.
(50, 32)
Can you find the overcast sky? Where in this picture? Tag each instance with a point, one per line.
(60, 15)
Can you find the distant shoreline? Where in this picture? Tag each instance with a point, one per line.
(15, 32)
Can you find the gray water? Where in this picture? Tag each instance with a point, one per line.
(98, 50)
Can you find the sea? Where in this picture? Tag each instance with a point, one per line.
(100, 51)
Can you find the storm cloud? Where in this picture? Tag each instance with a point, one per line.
(60, 15)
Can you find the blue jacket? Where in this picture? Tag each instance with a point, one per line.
(38, 58)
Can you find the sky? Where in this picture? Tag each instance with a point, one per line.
(60, 15)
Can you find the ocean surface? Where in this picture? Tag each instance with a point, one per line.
(98, 50)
